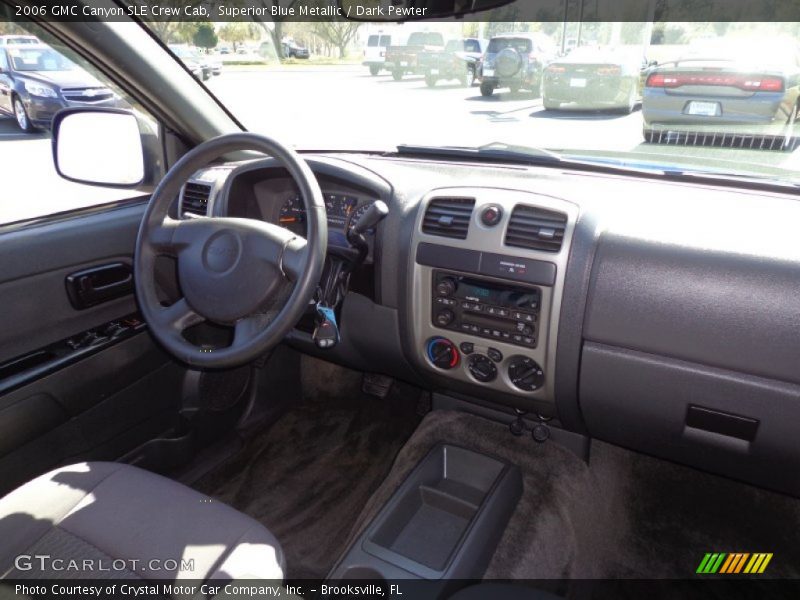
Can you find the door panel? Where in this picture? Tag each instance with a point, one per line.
(95, 407)
(36, 310)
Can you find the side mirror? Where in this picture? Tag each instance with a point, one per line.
(98, 147)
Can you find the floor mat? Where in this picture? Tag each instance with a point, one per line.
(307, 476)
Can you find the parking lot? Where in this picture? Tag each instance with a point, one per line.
(343, 107)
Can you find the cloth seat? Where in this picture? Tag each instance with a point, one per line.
(101, 519)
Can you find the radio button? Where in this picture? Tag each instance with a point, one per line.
(529, 341)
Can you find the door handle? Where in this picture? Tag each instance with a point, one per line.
(99, 284)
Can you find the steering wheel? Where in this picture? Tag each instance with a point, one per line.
(254, 276)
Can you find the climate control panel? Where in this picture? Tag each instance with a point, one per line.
(485, 364)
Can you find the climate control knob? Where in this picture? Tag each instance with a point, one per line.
(446, 287)
(481, 368)
(525, 373)
(442, 353)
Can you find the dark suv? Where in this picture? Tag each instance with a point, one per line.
(36, 82)
(515, 61)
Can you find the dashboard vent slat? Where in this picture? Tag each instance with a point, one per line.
(536, 228)
(195, 199)
(448, 217)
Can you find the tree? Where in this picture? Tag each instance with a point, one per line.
(205, 36)
(237, 32)
(338, 33)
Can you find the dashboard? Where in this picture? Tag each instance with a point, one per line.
(657, 315)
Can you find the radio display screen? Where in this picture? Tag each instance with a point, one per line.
(499, 295)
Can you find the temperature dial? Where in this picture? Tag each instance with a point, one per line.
(525, 373)
(442, 353)
(481, 368)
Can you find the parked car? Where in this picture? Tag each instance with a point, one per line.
(375, 51)
(516, 61)
(592, 78)
(199, 68)
(458, 60)
(404, 59)
(37, 81)
(215, 62)
(16, 40)
(717, 89)
(294, 50)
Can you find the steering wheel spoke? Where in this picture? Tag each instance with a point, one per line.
(247, 329)
(293, 258)
(178, 316)
(164, 238)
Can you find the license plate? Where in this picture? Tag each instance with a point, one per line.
(488, 72)
(578, 82)
(704, 109)
(434, 71)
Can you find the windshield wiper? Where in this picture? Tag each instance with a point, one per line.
(494, 151)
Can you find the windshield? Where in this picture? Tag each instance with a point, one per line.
(38, 59)
(618, 92)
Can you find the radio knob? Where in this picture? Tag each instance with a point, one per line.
(442, 353)
(444, 317)
(446, 287)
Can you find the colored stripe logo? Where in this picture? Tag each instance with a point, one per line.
(734, 563)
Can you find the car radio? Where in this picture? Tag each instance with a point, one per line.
(485, 308)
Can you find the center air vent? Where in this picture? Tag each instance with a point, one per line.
(195, 198)
(448, 217)
(536, 229)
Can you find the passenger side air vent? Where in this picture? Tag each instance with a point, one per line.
(195, 199)
(536, 228)
(448, 217)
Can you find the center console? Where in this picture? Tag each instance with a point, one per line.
(487, 271)
(443, 523)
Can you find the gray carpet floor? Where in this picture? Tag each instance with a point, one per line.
(307, 476)
(622, 515)
(320, 474)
